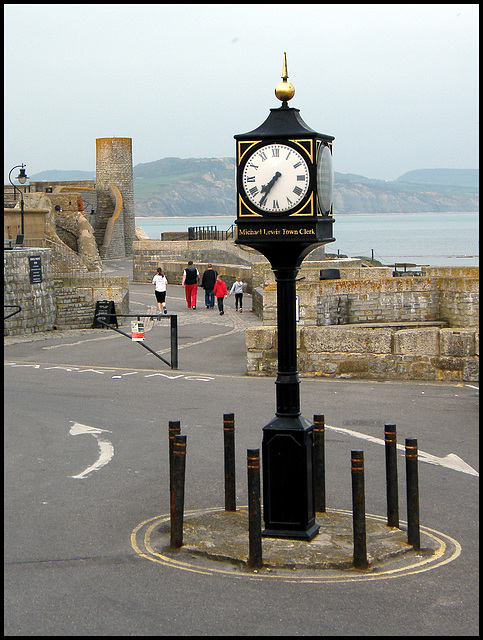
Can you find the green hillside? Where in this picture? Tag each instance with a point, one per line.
(206, 186)
(448, 177)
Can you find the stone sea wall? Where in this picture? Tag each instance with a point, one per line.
(372, 352)
(59, 301)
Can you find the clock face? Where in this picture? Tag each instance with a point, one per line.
(275, 178)
(325, 179)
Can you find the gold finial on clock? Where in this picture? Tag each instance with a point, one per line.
(284, 90)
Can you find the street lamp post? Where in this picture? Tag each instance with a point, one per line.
(22, 178)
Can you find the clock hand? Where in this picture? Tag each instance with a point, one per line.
(266, 188)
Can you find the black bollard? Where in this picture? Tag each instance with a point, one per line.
(391, 475)
(229, 445)
(319, 463)
(412, 492)
(358, 510)
(174, 429)
(177, 493)
(254, 510)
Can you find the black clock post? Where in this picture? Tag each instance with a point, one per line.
(284, 210)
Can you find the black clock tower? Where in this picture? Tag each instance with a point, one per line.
(284, 211)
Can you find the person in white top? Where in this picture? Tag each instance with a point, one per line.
(160, 281)
(237, 289)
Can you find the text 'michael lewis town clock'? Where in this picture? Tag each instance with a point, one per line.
(284, 210)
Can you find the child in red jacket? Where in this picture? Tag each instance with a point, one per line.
(220, 293)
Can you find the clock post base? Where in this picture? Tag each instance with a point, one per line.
(288, 485)
(295, 535)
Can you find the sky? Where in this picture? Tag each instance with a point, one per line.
(396, 84)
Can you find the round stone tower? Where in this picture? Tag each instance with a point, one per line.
(115, 222)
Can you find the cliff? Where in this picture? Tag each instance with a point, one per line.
(206, 186)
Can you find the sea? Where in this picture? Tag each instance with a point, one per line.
(434, 239)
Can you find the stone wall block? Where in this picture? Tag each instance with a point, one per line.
(457, 342)
(422, 341)
(471, 371)
(259, 339)
(340, 339)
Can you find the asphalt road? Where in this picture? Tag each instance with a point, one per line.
(74, 497)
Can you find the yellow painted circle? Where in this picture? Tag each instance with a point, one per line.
(447, 550)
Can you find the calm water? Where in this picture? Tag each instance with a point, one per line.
(436, 239)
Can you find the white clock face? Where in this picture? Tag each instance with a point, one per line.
(276, 178)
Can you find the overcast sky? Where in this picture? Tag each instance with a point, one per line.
(396, 84)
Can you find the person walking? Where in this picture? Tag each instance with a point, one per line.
(237, 289)
(208, 283)
(190, 281)
(220, 293)
(160, 281)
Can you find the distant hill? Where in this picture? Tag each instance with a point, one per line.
(206, 186)
(449, 177)
(358, 194)
(58, 175)
(180, 187)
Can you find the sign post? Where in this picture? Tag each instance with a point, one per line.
(106, 311)
(137, 330)
(35, 264)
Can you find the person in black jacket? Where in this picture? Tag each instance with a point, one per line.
(208, 283)
(190, 281)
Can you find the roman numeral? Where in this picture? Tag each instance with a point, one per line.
(297, 165)
(301, 178)
(289, 202)
(254, 191)
(275, 205)
(254, 166)
(250, 178)
(297, 191)
(275, 153)
(262, 156)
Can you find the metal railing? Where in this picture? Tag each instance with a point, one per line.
(12, 306)
(173, 333)
(210, 233)
(406, 269)
(10, 197)
(64, 259)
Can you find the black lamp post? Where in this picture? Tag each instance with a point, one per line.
(22, 178)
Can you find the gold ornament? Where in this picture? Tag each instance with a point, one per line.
(284, 90)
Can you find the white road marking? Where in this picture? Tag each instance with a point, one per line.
(15, 364)
(451, 461)
(181, 376)
(82, 342)
(105, 447)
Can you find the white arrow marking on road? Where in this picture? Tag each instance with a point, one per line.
(105, 447)
(451, 461)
